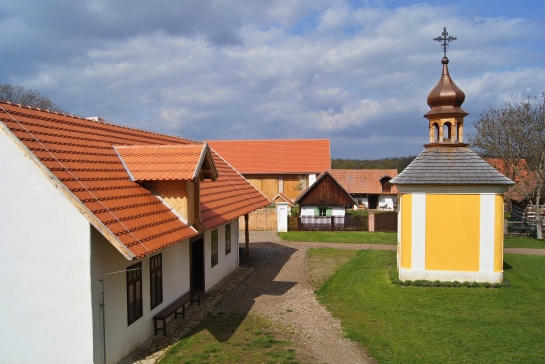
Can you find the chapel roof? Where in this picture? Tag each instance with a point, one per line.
(361, 181)
(79, 157)
(283, 156)
(450, 166)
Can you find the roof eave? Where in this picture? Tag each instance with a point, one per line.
(93, 220)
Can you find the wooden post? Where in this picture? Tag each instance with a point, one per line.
(332, 223)
(247, 234)
(298, 223)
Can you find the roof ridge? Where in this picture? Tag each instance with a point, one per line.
(91, 120)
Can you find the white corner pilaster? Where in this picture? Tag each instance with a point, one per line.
(486, 253)
(418, 231)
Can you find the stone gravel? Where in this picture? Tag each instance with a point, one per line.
(279, 291)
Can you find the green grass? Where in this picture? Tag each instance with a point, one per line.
(520, 242)
(399, 324)
(355, 237)
(232, 338)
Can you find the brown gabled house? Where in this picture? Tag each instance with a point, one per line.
(371, 188)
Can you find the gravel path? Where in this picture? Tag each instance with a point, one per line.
(279, 291)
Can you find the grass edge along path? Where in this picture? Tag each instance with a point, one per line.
(366, 237)
(351, 237)
(523, 242)
(399, 324)
(233, 338)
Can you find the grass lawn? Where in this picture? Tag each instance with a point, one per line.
(517, 242)
(233, 338)
(355, 237)
(399, 324)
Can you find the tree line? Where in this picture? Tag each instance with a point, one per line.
(398, 163)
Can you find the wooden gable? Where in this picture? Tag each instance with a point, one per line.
(326, 191)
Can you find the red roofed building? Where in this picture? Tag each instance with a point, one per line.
(277, 166)
(95, 212)
(370, 187)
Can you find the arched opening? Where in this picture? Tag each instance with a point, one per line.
(447, 132)
(435, 131)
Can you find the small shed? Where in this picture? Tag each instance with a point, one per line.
(325, 198)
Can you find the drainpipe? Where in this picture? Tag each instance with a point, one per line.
(103, 322)
(247, 234)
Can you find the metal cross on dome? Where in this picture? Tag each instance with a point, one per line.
(445, 39)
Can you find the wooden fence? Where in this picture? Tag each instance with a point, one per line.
(386, 222)
(261, 220)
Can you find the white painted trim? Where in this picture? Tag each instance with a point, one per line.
(449, 276)
(486, 253)
(455, 189)
(418, 231)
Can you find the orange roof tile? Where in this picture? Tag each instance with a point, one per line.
(362, 181)
(275, 156)
(161, 162)
(79, 157)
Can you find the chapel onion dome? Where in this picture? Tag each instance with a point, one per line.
(446, 97)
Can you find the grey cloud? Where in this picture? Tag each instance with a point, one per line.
(211, 69)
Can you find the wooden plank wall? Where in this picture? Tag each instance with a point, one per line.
(294, 184)
(174, 193)
(266, 184)
(261, 220)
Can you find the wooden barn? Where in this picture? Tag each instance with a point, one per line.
(324, 199)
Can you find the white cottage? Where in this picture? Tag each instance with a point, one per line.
(103, 226)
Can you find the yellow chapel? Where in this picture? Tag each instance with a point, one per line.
(450, 225)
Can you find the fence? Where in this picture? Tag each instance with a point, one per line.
(386, 222)
(330, 223)
(261, 220)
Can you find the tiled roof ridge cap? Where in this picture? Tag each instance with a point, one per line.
(266, 140)
(91, 120)
(136, 146)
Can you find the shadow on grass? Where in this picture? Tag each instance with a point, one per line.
(507, 266)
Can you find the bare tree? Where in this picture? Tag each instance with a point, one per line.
(515, 133)
(27, 97)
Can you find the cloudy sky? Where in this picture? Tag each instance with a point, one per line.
(356, 72)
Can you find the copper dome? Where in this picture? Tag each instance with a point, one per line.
(446, 97)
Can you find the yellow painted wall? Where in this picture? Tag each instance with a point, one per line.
(406, 230)
(498, 234)
(452, 232)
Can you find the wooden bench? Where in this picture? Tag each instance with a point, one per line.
(173, 308)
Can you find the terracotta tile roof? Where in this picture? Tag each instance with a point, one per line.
(161, 162)
(509, 171)
(224, 199)
(450, 166)
(291, 156)
(364, 181)
(79, 157)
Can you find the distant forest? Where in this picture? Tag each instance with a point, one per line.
(398, 163)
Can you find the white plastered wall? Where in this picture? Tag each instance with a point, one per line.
(121, 338)
(226, 263)
(389, 200)
(45, 305)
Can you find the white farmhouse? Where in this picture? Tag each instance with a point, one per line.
(103, 226)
